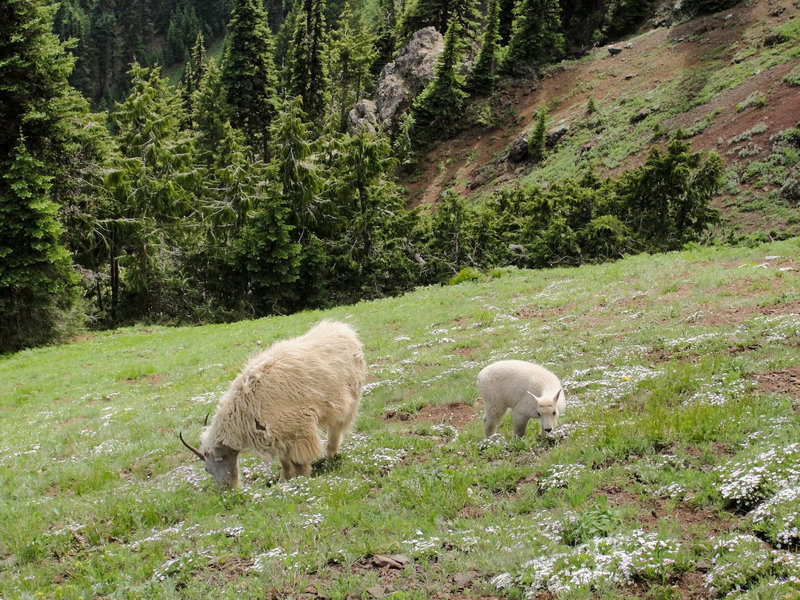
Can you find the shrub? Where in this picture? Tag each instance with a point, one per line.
(465, 274)
(792, 78)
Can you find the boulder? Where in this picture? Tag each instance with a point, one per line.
(519, 148)
(406, 76)
(363, 117)
(556, 133)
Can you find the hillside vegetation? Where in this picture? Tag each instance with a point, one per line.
(724, 82)
(675, 472)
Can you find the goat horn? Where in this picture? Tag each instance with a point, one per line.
(205, 421)
(190, 447)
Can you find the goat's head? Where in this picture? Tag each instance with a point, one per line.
(548, 409)
(221, 461)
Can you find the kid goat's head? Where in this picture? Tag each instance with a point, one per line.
(548, 409)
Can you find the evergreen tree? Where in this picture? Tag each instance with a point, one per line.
(368, 246)
(133, 17)
(192, 75)
(37, 284)
(538, 139)
(292, 166)
(666, 201)
(283, 40)
(353, 53)
(153, 190)
(386, 37)
(307, 70)
(436, 110)
(104, 54)
(213, 14)
(267, 255)
(363, 160)
(506, 20)
(298, 182)
(484, 74)
(448, 244)
(211, 117)
(248, 74)
(71, 22)
(42, 121)
(440, 14)
(536, 39)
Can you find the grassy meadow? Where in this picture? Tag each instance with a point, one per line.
(675, 472)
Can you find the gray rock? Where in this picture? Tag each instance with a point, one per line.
(406, 76)
(363, 117)
(641, 115)
(519, 148)
(554, 134)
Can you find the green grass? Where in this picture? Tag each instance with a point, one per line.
(677, 455)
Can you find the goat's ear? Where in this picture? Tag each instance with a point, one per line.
(534, 396)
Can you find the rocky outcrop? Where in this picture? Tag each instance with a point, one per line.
(400, 82)
(363, 117)
(518, 151)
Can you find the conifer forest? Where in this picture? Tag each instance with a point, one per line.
(190, 161)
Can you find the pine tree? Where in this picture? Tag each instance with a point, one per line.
(484, 74)
(267, 255)
(45, 131)
(437, 108)
(353, 53)
(137, 30)
(292, 167)
(211, 116)
(440, 14)
(192, 75)
(536, 39)
(104, 53)
(37, 284)
(71, 22)
(538, 139)
(307, 71)
(363, 160)
(248, 74)
(154, 196)
(386, 37)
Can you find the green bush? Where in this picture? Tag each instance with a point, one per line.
(465, 274)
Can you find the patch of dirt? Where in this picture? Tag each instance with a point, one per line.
(783, 381)
(83, 337)
(531, 312)
(684, 586)
(652, 510)
(152, 379)
(467, 351)
(456, 414)
(72, 420)
(740, 314)
(233, 567)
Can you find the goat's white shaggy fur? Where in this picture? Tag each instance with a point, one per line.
(528, 389)
(276, 405)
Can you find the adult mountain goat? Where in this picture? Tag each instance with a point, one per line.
(528, 389)
(276, 405)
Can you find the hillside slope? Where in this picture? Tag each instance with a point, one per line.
(717, 80)
(674, 472)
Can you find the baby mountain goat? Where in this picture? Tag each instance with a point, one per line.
(276, 405)
(529, 390)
